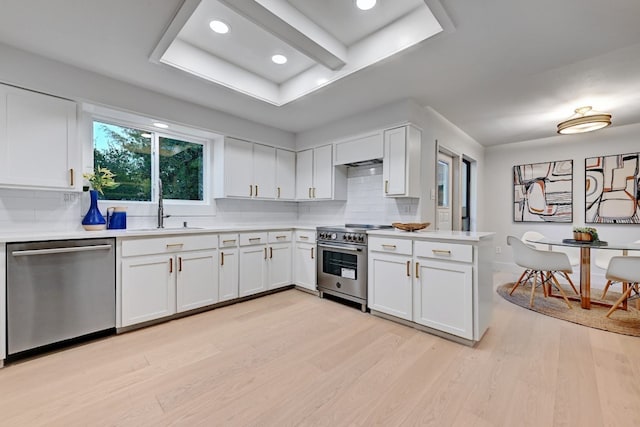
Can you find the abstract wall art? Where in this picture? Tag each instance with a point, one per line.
(611, 189)
(543, 192)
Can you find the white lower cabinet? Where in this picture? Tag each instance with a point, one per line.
(279, 265)
(196, 280)
(228, 268)
(148, 288)
(305, 265)
(390, 285)
(432, 283)
(161, 276)
(253, 266)
(444, 296)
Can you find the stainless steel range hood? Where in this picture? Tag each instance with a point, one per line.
(369, 162)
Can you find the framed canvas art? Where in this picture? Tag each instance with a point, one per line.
(611, 189)
(543, 192)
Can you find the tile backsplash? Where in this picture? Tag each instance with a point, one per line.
(52, 210)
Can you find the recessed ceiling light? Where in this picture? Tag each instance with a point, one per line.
(161, 125)
(365, 4)
(279, 59)
(219, 26)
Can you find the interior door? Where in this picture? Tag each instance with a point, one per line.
(445, 199)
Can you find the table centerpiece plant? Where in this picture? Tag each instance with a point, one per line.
(585, 234)
(100, 180)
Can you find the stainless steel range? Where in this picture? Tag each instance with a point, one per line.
(342, 261)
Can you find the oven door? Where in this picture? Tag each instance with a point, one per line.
(343, 269)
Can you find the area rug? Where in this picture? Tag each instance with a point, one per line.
(620, 321)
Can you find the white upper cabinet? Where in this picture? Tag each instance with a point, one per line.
(360, 149)
(317, 178)
(285, 174)
(38, 141)
(244, 169)
(401, 162)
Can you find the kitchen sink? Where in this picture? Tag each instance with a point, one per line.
(165, 229)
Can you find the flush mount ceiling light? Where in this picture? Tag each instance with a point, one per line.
(365, 4)
(161, 125)
(584, 120)
(279, 59)
(219, 27)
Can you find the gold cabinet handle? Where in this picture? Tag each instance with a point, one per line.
(417, 270)
(389, 246)
(441, 252)
(179, 263)
(270, 252)
(312, 253)
(303, 237)
(265, 253)
(310, 193)
(278, 192)
(174, 245)
(253, 239)
(256, 191)
(71, 176)
(170, 265)
(221, 258)
(314, 192)
(224, 242)
(281, 237)
(386, 187)
(251, 191)
(408, 268)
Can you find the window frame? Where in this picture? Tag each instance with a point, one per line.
(173, 207)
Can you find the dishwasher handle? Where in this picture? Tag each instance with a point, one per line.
(61, 250)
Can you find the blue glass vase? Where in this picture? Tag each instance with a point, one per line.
(94, 220)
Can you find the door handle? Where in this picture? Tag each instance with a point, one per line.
(250, 190)
(417, 270)
(271, 252)
(389, 246)
(256, 191)
(408, 268)
(265, 253)
(179, 263)
(310, 193)
(312, 253)
(221, 258)
(170, 265)
(224, 242)
(71, 175)
(278, 192)
(441, 252)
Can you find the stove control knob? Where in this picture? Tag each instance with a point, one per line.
(334, 236)
(361, 238)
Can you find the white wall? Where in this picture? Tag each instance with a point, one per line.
(498, 193)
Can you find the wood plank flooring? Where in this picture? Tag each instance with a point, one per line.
(293, 359)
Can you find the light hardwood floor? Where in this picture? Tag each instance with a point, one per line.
(293, 359)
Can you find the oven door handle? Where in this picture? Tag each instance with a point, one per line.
(345, 248)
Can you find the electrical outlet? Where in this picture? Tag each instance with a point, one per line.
(498, 249)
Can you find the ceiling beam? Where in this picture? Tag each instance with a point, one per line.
(287, 23)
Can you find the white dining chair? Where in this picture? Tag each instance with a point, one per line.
(539, 263)
(626, 270)
(534, 235)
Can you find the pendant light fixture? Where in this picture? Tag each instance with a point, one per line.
(584, 120)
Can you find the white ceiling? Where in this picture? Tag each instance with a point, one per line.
(509, 72)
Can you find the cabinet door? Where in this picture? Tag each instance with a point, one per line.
(238, 168)
(264, 171)
(444, 297)
(394, 162)
(305, 265)
(304, 174)
(279, 265)
(285, 174)
(228, 284)
(323, 172)
(252, 276)
(197, 279)
(390, 285)
(37, 141)
(148, 288)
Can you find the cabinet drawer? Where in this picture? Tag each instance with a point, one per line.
(228, 240)
(390, 245)
(305, 236)
(255, 238)
(161, 245)
(448, 251)
(280, 236)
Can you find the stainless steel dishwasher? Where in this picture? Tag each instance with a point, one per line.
(59, 290)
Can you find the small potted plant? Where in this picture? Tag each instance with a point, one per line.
(99, 180)
(585, 234)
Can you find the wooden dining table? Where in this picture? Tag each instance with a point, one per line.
(585, 262)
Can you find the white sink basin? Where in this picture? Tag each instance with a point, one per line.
(164, 229)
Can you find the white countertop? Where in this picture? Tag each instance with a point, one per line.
(35, 235)
(473, 236)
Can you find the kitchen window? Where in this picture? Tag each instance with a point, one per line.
(138, 157)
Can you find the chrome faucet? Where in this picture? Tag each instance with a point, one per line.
(161, 215)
